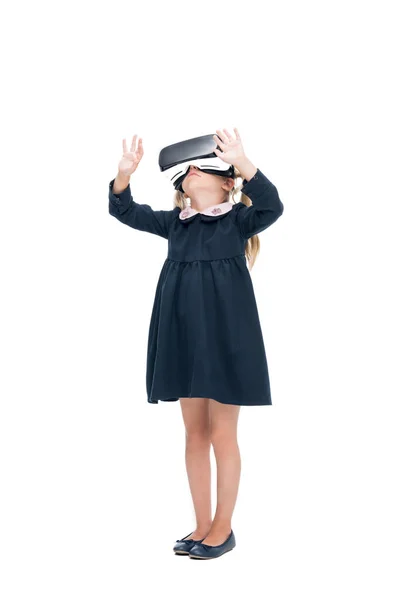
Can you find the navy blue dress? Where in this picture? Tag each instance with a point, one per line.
(205, 337)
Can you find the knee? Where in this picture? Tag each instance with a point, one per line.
(198, 437)
(222, 439)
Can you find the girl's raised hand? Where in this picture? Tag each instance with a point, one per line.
(130, 159)
(232, 149)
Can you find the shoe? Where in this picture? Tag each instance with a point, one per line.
(184, 545)
(200, 550)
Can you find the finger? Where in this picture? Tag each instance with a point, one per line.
(140, 147)
(124, 150)
(218, 141)
(133, 145)
(230, 138)
(222, 136)
(237, 133)
(218, 151)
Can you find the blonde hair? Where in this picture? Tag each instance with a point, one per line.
(252, 247)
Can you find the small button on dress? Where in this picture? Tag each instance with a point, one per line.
(205, 338)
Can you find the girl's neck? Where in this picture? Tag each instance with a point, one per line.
(205, 201)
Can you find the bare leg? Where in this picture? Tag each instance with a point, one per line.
(195, 412)
(223, 421)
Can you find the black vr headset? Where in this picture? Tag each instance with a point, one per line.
(175, 160)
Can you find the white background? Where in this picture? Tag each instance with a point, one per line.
(94, 490)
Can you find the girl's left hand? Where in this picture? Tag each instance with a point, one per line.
(233, 152)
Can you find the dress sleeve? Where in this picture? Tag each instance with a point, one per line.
(139, 216)
(266, 205)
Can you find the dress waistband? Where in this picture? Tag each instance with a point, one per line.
(206, 259)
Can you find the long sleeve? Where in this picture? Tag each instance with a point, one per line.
(139, 216)
(266, 205)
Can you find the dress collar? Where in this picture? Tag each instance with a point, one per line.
(211, 211)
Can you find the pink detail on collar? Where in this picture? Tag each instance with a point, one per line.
(212, 211)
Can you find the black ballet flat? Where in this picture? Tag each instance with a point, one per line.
(185, 544)
(200, 550)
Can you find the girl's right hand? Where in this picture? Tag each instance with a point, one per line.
(130, 160)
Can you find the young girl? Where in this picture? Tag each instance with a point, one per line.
(205, 345)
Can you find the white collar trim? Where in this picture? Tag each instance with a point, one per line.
(212, 211)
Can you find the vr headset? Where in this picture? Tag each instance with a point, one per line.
(175, 160)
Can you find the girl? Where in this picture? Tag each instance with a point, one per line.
(205, 345)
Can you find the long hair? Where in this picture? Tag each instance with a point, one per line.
(252, 247)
